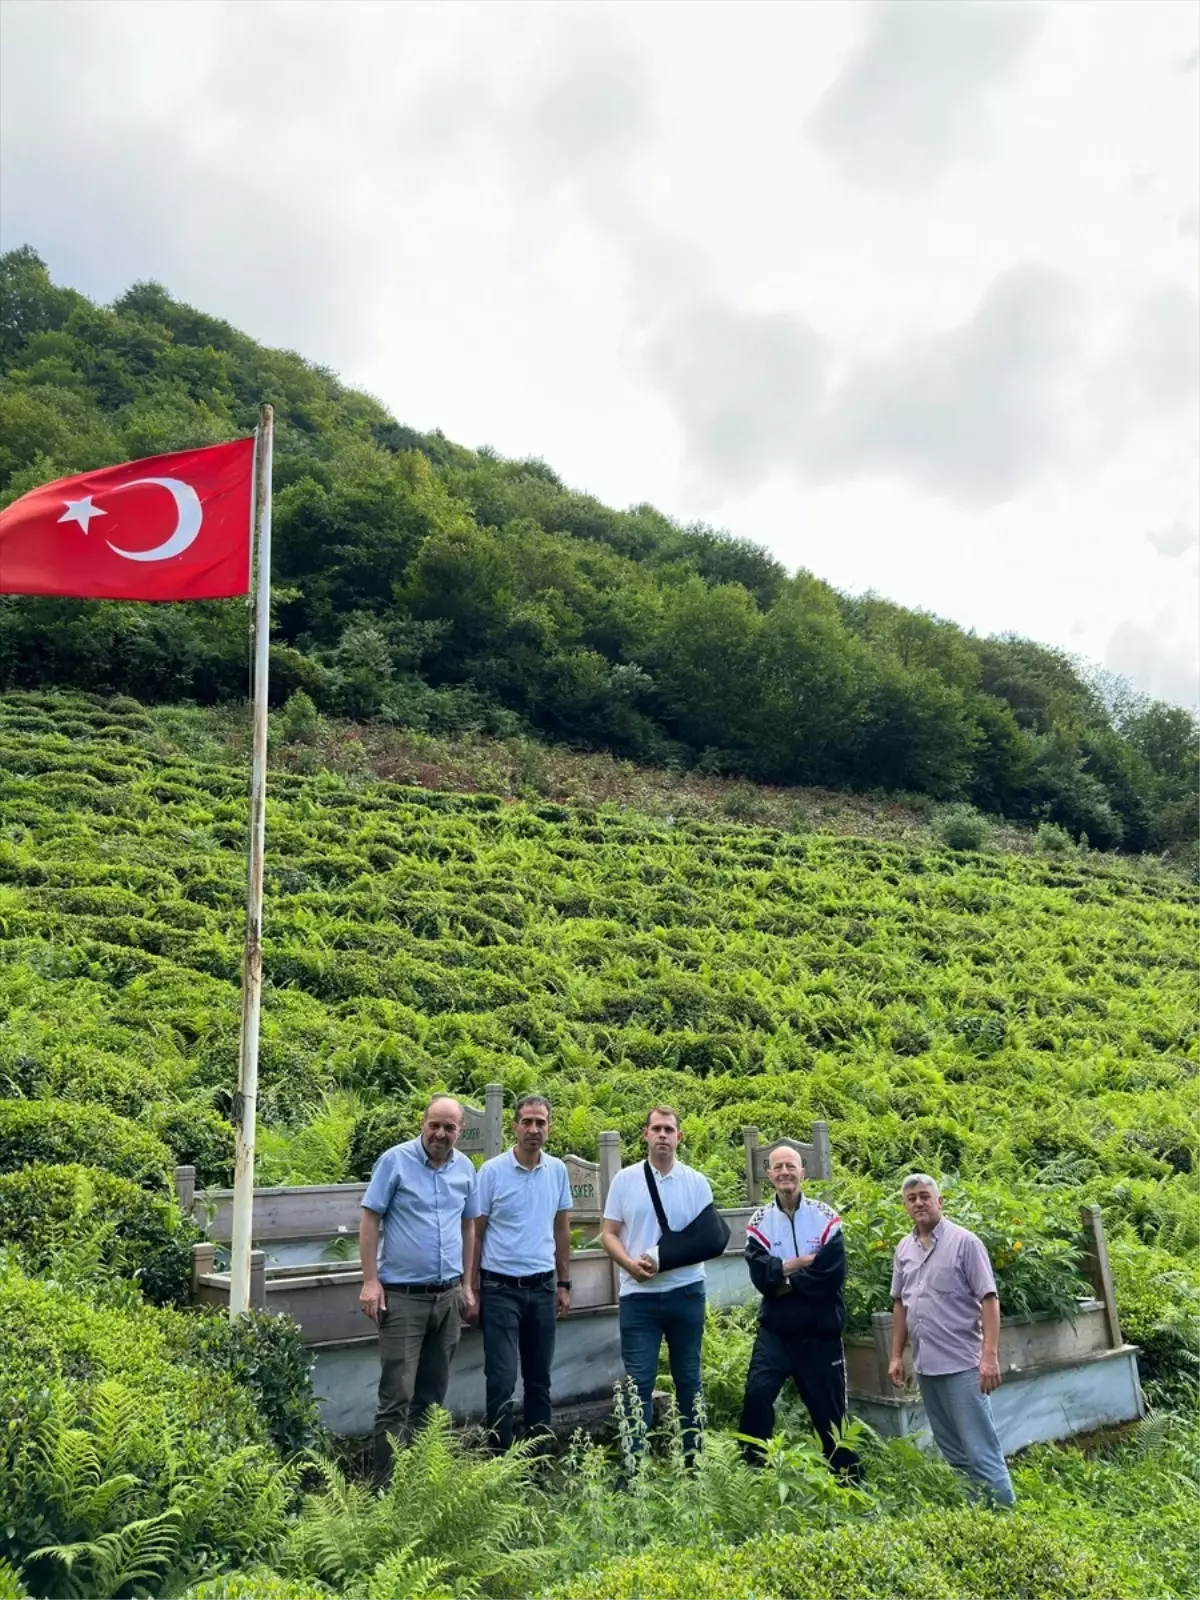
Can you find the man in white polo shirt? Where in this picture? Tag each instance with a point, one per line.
(658, 1305)
(523, 1247)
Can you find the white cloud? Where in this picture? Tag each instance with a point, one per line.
(1157, 659)
(975, 413)
(1175, 540)
(914, 98)
(935, 346)
(745, 387)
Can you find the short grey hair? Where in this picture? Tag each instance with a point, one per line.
(531, 1100)
(919, 1180)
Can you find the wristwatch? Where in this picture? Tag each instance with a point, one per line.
(564, 1283)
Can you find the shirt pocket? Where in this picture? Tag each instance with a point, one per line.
(944, 1278)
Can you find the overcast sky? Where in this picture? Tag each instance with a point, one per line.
(905, 292)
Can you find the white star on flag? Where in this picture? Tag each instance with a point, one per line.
(81, 511)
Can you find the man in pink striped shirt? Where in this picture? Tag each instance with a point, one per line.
(944, 1296)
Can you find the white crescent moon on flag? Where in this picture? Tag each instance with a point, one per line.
(189, 516)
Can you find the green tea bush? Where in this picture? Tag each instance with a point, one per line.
(1023, 1026)
(961, 827)
(1132, 1492)
(944, 1555)
(58, 1132)
(265, 1355)
(1053, 840)
(198, 1137)
(48, 1331)
(259, 1583)
(43, 1208)
(377, 1130)
(112, 1371)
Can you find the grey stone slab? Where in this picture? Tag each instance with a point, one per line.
(587, 1359)
(1033, 1407)
(587, 1363)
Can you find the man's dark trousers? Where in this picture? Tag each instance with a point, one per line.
(518, 1330)
(818, 1368)
(676, 1315)
(418, 1335)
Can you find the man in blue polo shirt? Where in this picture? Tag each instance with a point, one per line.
(424, 1195)
(523, 1246)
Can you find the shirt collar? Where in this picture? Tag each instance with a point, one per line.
(538, 1163)
(423, 1156)
(935, 1236)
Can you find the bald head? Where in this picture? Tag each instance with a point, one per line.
(440, 1127)
(442, 1102)
(785, 1172)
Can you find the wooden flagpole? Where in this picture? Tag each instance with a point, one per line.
(245, 1103)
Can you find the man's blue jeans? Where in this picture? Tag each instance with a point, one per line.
(518, 1329)
(676, 1315)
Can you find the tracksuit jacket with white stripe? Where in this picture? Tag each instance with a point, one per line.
(808, 1303)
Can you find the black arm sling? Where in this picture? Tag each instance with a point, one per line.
(705, 1236)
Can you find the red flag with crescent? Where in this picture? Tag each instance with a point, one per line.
(173, 527)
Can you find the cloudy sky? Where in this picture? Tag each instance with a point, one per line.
(904, 291)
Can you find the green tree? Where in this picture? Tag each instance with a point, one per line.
(812, 689)
(704, 661)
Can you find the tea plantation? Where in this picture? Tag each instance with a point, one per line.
(1023, 1025)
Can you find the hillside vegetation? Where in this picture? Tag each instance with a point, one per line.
(1021, 1024)
(445, 589)
(1021, 1020)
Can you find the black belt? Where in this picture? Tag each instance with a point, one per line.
(536, 1280)
(423, 1288)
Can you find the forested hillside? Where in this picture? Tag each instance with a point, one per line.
(437, 587)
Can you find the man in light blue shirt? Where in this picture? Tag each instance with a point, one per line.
(655, 1305)
(523, 1244)
(424, 1195)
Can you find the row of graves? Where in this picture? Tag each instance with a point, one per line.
(1061, 1376)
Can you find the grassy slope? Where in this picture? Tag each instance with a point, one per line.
(987, 1013)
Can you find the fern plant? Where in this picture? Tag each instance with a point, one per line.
(11, 1587)
(112, 1563)
(123, 1511)
(447, 1517)
(81, 1472)
(403, 1573)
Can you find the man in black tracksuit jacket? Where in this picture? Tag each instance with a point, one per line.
(797, 1261)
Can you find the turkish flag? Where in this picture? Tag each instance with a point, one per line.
(174, 527)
